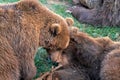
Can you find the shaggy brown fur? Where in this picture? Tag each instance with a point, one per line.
(69, 74)
(24, 26)
(86, 53)
(110, 68)
(109, 13)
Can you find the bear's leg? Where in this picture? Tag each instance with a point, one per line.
(28, 69)
(9, 68)
(9, 65)
(110, 69)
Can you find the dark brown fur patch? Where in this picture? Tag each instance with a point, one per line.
(91, 55)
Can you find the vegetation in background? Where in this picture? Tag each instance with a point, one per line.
(42, 62)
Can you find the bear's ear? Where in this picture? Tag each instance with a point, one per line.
(69, 21)
(55, 29)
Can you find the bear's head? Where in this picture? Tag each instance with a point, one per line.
(64, 56)
(53, 29)
(56, 37)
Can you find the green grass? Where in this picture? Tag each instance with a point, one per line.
(8, 1)
(95, 31)
(42, 61)
(43, 1)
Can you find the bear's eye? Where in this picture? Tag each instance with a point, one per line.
(55, 29)
(53, 32)
(33, 7)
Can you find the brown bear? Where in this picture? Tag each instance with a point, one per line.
(86, 54)
(24, 26)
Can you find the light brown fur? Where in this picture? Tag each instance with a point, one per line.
(24, 26)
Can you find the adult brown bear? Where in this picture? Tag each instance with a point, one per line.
(24, 26)
(97, 58)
